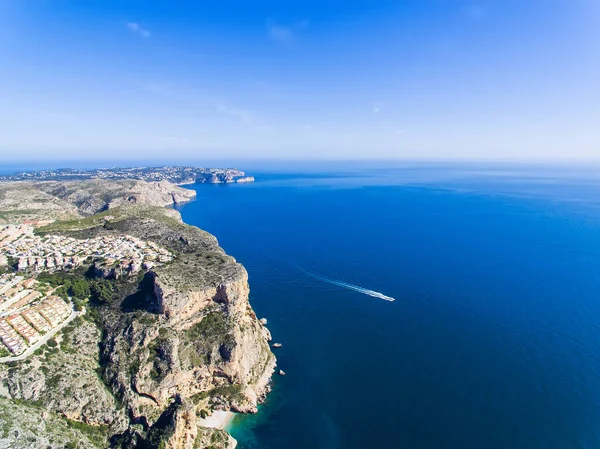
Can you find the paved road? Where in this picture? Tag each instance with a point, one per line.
(44, 339)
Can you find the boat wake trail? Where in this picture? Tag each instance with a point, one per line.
(356, 288)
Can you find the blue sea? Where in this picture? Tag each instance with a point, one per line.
(493, 340)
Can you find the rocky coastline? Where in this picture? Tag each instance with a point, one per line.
(155, 355)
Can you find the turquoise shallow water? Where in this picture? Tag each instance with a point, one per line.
(493, 340)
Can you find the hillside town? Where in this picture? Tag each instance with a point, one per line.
(28, 310)
(56, 252)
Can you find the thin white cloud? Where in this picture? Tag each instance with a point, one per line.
(243, 116)
(285, 33)
(200, 99)
(309, 130)
(281, 33)
(174, 140)
(159, 90)
(263, 129)
(377, 108)
(137, 29)
(475, 12)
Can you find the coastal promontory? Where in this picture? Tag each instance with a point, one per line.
(160, 336)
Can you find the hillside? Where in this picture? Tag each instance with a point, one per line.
(65, 200)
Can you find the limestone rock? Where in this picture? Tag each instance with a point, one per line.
(65, 380)
(67, 200)
(27, 426)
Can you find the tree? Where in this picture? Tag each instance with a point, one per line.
(102, 291)
(80, 289)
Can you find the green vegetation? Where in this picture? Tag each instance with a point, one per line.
(102, 291)
(231, 392)
(70, 342)
(79, 287)
(19, 216)
(162, 429)
(218, 438)
(208, 341)
(72, 284)
(199, 268)
(199, 397)
(95, 433)
(158, 350)
(110, 219)
(211, 439)
(212, 325)
(27, 424)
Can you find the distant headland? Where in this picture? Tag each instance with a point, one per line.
(174, 174)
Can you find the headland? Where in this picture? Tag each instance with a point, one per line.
(149, 339)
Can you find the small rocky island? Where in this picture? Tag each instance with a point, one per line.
(161, 335)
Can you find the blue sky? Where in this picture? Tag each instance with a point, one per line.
(412, 79)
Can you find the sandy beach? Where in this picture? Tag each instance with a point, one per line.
(218, 420)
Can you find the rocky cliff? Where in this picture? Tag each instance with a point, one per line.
(167, 346)
(187, 332)
(63, 378)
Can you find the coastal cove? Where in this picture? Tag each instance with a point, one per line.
(492, 340)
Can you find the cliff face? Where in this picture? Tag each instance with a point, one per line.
(242, 356)
(183, 332)
(196, 338)
(204, 346)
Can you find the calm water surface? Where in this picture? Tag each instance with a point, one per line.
(493, 340)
